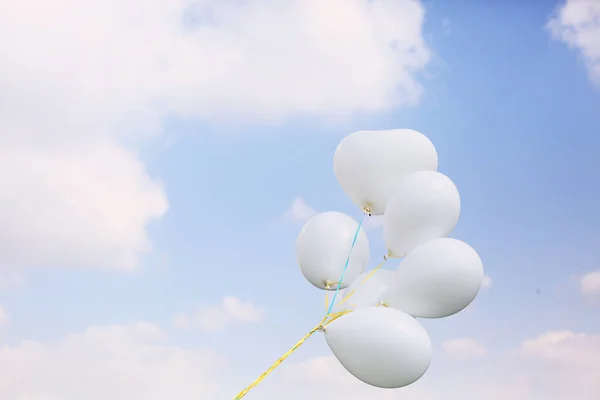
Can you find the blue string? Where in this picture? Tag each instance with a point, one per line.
(345, 266)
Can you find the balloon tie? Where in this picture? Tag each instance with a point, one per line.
(367, 209)
(329, 283)
(390, 255)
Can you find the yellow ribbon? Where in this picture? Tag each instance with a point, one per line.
(321, 327)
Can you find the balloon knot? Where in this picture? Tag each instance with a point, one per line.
(329, 283)
(321, 328)
(367, 210)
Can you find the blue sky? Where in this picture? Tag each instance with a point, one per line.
(512, 111)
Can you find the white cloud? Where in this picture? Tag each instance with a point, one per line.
(553, 366)
(209, 57)
(75, 205)
(78, 80)
(299, 211)
(181, 321)
(463, 348)
(231, 311)
(590, 284)
(577, 23)
(133, 361)
(566, 348)
(324, 378)
(486, 284)
(446, 26)
(116, 362)
(565, 362)
(10, 278)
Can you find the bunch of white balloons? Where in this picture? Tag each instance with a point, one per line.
(376, 336)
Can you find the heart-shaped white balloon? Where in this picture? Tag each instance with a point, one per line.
(369, 164)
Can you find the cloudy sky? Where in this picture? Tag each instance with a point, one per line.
(158, 158)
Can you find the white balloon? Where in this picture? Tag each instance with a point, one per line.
(424, 206)
(380, 346)
(366, 293)
(437, 279)
(369, 164)
(323, 246)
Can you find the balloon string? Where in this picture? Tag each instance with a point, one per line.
(337, 290)
(324, 322)
(279, 361)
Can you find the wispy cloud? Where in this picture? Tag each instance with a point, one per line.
(299, 211)
(577, 353)
(214, 318)
(463, 348)
(108, 362)
(577, 23)
(589, 284)
(446, 26)
(3, 316)
(486, 283)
